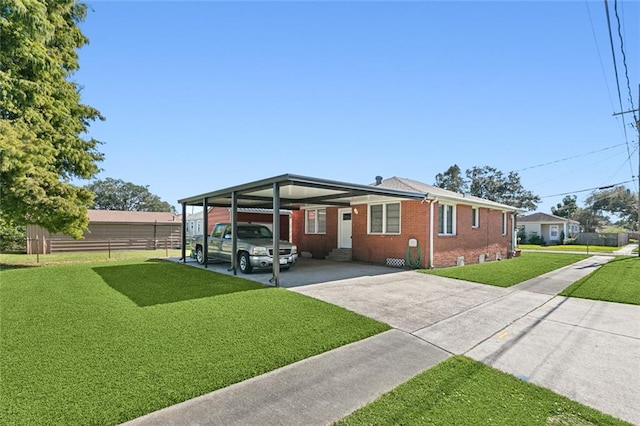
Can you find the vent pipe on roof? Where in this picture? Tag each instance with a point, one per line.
(378, 180)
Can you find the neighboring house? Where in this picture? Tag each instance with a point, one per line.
(550, 227)
(112, 229)
(443, 229)
(194, 224)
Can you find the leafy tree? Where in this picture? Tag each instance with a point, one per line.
(567, 208)
(489, 183)
(589, 219)
(452, 180)
(41, 117)
(618, 201)
(116, 194)
(12, 237)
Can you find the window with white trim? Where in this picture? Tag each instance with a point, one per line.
(504, 223)
(384, 218)
(315, 221)
(446, 219)
(474, 217)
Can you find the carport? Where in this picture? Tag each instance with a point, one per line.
(286, 191)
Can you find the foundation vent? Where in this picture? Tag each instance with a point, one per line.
(396, 263)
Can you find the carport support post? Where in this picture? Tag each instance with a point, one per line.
(183, 233)
(276, 235)
(205, 231)
(234, 232)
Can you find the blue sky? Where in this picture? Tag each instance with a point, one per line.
(200, 96)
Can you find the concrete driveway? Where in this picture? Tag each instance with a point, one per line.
(306, 271)
(586, 350)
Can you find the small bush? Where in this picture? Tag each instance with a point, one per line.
(534, 238)
(12, 237)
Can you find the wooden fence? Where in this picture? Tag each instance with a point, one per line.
(602, 239)
(54, 245)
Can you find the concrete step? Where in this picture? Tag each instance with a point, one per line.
(340, 255)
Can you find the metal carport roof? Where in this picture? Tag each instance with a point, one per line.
(295, 191)
(288, 191)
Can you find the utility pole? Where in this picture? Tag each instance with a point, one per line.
(638, 128)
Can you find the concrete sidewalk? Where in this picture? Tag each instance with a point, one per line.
(585, 351)
(316, 391)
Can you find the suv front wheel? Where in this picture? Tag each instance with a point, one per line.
(245, 263)
(200, 255)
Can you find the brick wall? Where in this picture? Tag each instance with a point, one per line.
(319, 245)
(414, 217)
(469, 242)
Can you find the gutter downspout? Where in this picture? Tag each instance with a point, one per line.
(430, 232)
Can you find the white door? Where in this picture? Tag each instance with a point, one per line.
(554, 234)
(344, 228)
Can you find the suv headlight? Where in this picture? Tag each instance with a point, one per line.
(260, 251)
(294, 249)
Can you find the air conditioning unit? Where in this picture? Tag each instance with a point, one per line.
(460, 261)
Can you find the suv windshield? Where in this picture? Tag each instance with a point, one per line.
(245, 232)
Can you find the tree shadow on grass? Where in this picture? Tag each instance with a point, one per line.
(157, 282)
(8, 266)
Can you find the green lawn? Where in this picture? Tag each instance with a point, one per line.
(506, 273)
(616, 281)
(102, 343)
(93, 256)
(460, 391)
(571, 247)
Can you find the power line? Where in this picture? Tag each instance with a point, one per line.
(595, 40)
(627, 160)
(589, 189)
(570, 158)
(615, 68)
(624, 60)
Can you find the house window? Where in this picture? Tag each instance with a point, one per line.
(384, 218)
(504, 223)
(446, 220)
(474, 217)
(198, 227)
(315, 221)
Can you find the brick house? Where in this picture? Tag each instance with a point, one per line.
(395, 221)
(443, 229)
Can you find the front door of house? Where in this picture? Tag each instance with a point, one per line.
(554, 233)
(344, 228)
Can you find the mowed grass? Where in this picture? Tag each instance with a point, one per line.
(460, 391)
(91, 256)
(107, 342)
(615, 281)
(508, 272)
(571, 247)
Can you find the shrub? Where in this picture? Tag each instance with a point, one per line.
(12, 237)
(534, 238)
(522, 236)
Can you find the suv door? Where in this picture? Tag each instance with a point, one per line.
(216, 240)
(226, 244)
